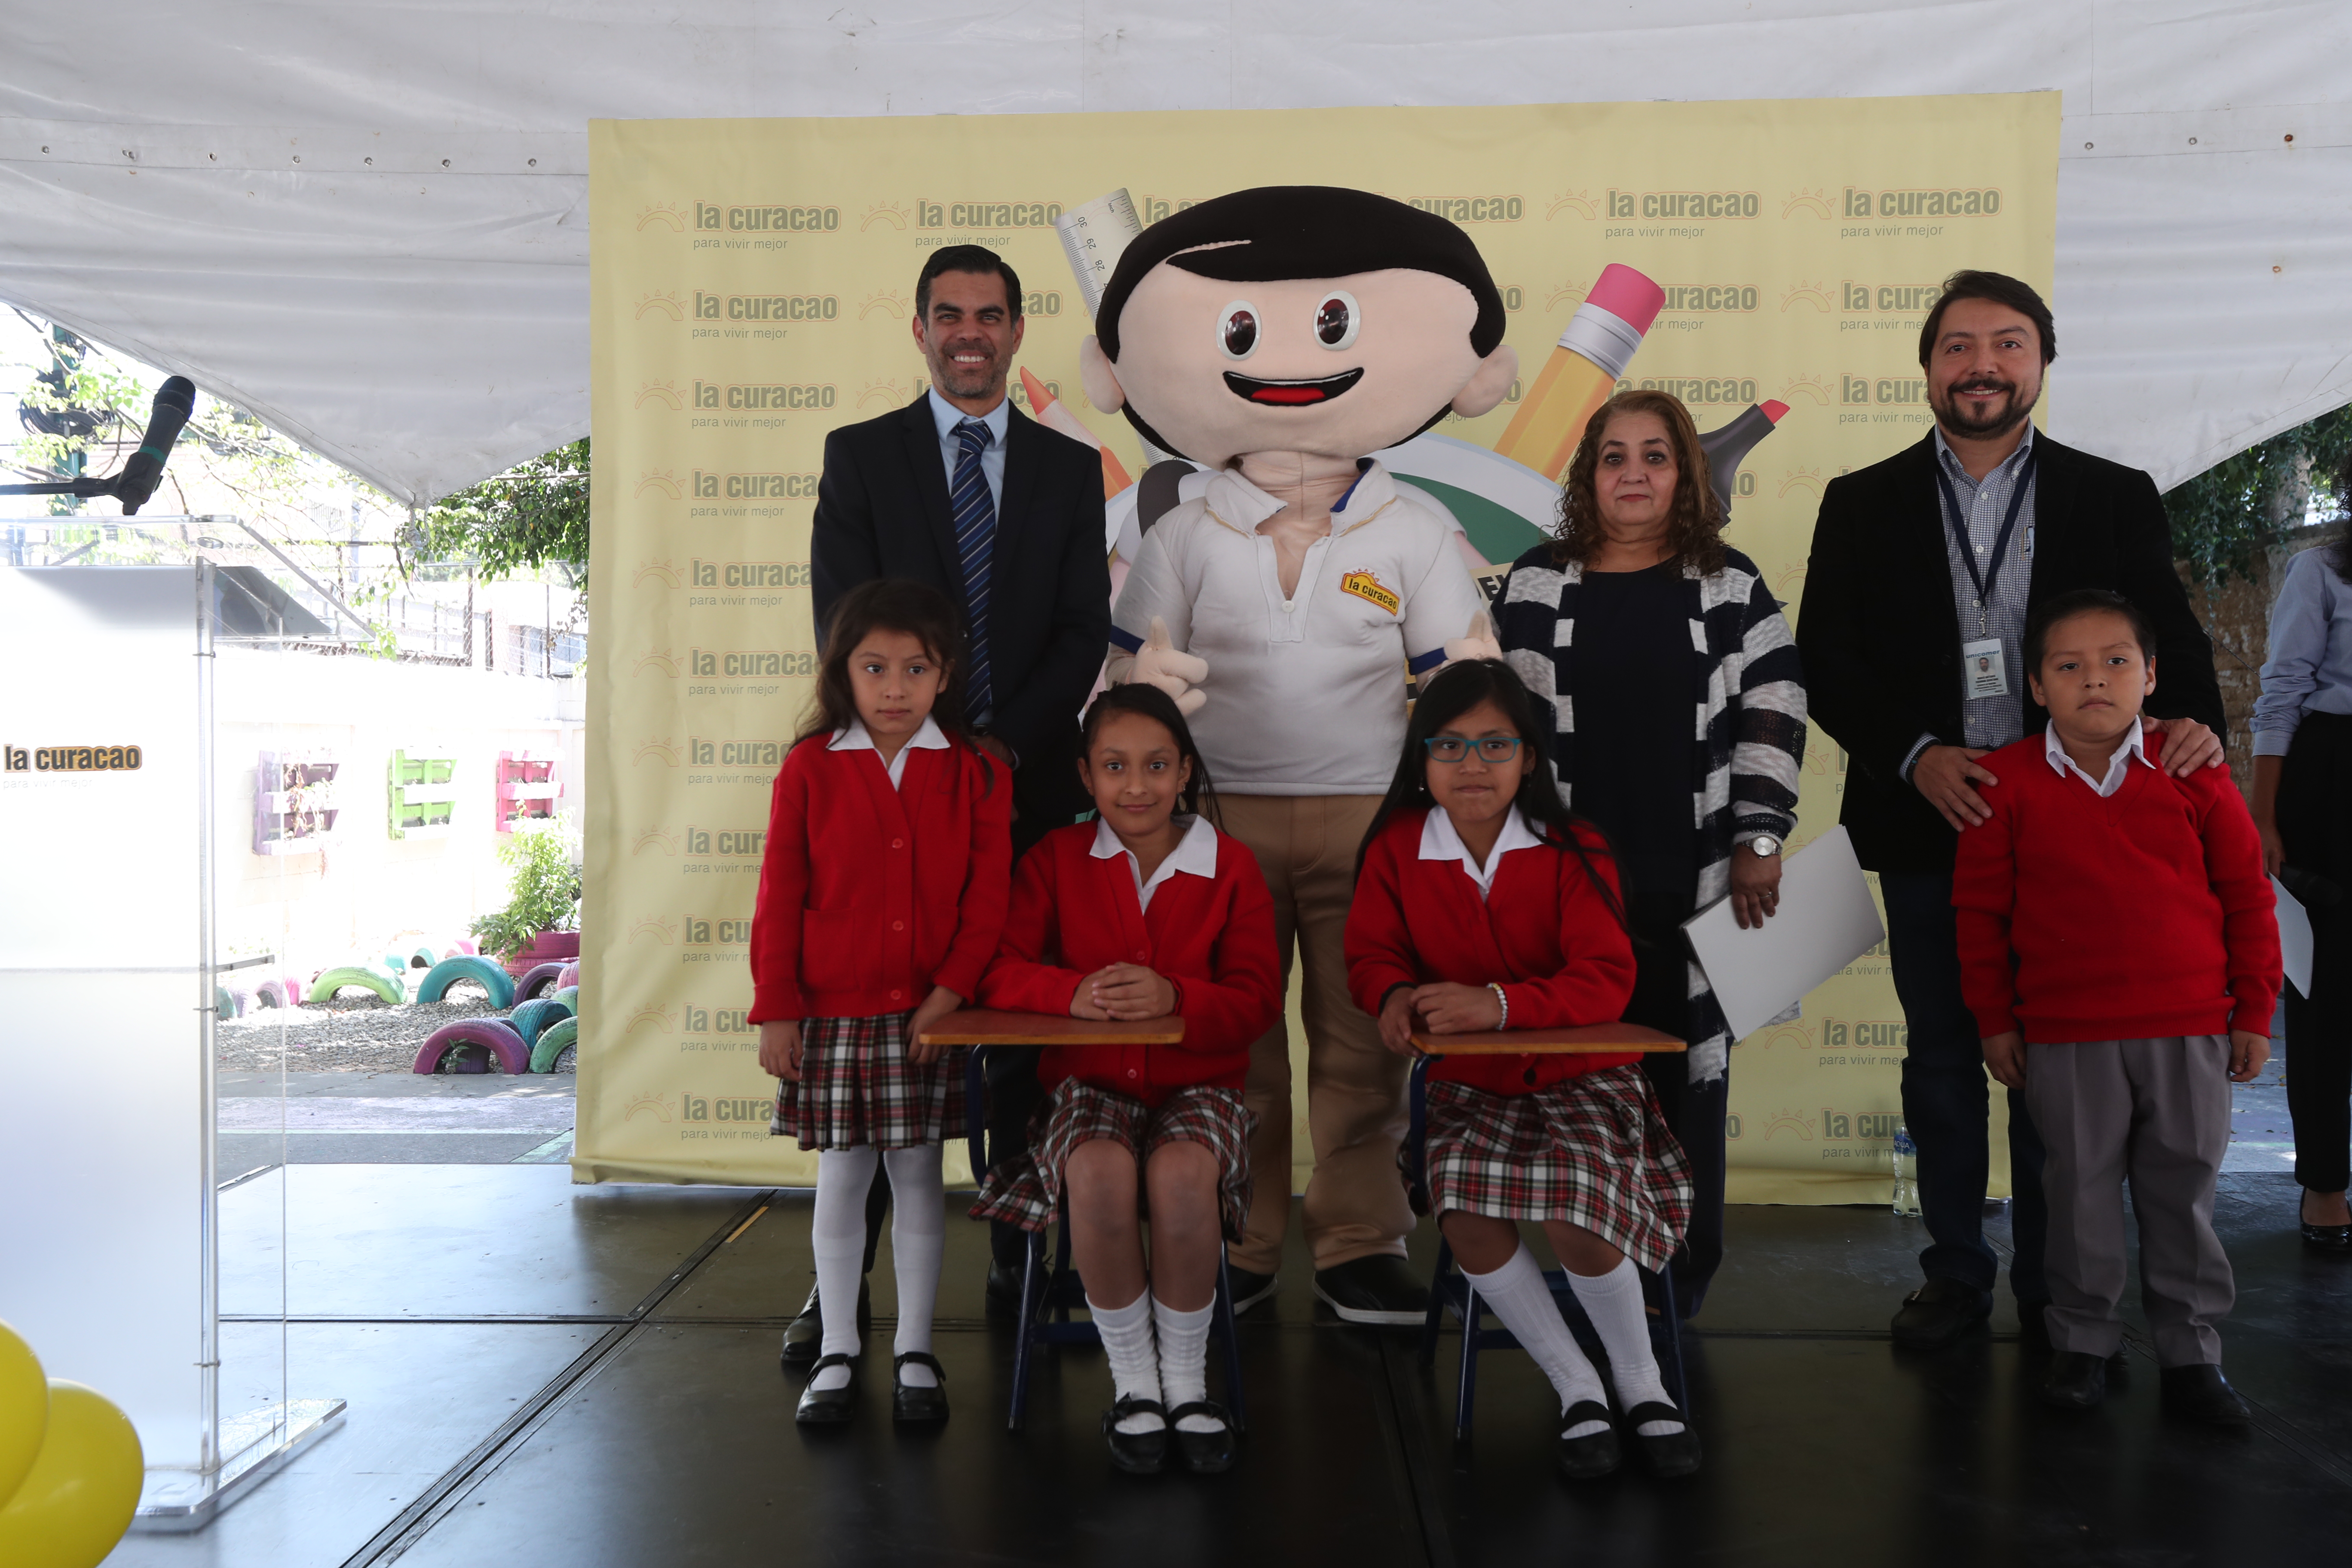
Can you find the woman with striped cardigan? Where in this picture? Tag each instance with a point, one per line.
(1679, 707)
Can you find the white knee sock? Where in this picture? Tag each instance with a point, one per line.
(837, 1236)
(1134, 1363)
(1523, 1301)
(1613, 1302)
(919, 1235)
(1184, 1360)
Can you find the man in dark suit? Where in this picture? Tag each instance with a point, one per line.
(961, 490)
(1924, 569)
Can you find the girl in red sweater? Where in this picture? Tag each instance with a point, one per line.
(880, 901)
(1480, 904)
(1147, 912)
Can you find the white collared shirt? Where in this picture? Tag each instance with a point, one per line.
(1196, 853)
(947, 417)
(1439, 841)
(2118, 765)
(930, 738)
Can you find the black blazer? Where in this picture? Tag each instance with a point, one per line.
(1880, 634)
(882, 511)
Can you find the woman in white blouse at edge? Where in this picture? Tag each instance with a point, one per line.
(2302, 804)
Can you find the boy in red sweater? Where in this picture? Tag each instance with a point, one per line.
(2119, 950)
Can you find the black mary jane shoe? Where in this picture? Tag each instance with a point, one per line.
(913, 1402)
(1676, 1452)
(1136, 1453)
(2326, 1238)
(1203, 1453)
(1589, 1458)
(828, 1407)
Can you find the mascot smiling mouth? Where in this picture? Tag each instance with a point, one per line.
(1292, 393)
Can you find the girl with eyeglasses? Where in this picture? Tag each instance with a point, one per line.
(1481, 904)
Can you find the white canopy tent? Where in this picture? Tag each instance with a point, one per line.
(367, 224)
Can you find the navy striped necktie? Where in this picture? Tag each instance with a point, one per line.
(975, 527)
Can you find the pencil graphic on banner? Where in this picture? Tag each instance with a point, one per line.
(1050, 413)
(1092, 234)
(1599, 343)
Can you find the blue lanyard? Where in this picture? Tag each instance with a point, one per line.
(1955, 520)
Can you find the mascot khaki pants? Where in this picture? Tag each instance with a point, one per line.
(1356, 1110)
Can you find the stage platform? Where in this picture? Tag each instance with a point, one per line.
(543, 1374)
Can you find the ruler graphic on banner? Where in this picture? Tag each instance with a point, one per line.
(751, 286)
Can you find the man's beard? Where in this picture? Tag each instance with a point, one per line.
(967, 380)
(1999, 421)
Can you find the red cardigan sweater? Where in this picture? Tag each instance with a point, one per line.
(2136, 917)
(1073, 913)
(869, 895)
(1543, 931)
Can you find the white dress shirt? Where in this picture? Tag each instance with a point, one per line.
(947, 417)
(2118, 765)
(1195, 855)
(1440, 842)
(930, 738)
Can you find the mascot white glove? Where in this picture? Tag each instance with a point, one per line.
(1160, 663)
(1479, 643)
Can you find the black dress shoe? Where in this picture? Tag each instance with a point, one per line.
(1676, 1452)
(804, 1335)
(2077, 1380)
(1938, 1312)
(1203, 1453)
(913, 1402)
(2200, 1394)
(1250, 1289)
(2326, 1238)
(1589, 1458)
(1136, 1453)
(1379, 1291)
(828, 1407)
(1003, 1294)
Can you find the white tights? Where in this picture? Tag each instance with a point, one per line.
(917, 1238)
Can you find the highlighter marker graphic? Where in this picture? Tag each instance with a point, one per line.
(1592, 354)
(1728, 447)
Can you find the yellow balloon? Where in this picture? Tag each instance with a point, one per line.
(83, 1488)
(24, 1410)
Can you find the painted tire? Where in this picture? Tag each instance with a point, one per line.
(278, 994)
(570, 975)
(422, 956)
(387, 986)
(529, 1017)
(463, 947)
(493, 1036)
(225, 1003)
(246, 1002)
(480, 971)
(568, 998)
(543, 980)
(561, 1036)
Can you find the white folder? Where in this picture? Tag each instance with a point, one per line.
(2294, 942)
(1826, 921)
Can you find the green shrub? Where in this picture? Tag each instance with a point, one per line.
(545, 893)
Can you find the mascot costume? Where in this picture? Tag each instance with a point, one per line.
(1274, 337)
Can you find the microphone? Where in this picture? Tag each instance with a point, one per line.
(175, 401)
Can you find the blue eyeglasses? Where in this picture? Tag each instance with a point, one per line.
(1491, 748)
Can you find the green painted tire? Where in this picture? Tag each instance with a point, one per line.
(563, 1034)
(568, 999)
(387, 986)
(490, 976)
(531, 1017)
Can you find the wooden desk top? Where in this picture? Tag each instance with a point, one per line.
(980, 1026)
(1592, 1039)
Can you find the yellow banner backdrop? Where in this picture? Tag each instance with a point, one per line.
(752, 282)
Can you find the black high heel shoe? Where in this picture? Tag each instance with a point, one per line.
(2326, 1238)
(1136, 1453)
(1593, 1456)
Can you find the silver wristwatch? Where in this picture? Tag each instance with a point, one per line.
(1765, 844)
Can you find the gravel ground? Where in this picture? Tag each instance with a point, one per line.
(355, 1033)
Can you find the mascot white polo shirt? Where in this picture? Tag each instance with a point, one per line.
(1324, 669)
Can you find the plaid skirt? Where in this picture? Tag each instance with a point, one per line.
(857, 1088)
(1027, 1191)
(1594, 1151)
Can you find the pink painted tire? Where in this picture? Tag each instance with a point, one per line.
(543, 980)
(569, 976)
(464, 947)
(495, 1035)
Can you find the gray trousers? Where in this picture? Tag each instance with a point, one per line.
(2156, 1113)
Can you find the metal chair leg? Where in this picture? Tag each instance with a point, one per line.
(1467, 1395)
(1666, 1340)
(1028, 1333)
(1436, 1320)
(1229, 1327)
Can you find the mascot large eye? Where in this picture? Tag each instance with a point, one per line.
(1338, 320)
(1238, 330)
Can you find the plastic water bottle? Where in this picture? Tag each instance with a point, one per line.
(1903, 1160)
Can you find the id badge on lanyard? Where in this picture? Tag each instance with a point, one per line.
(1984, 668)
